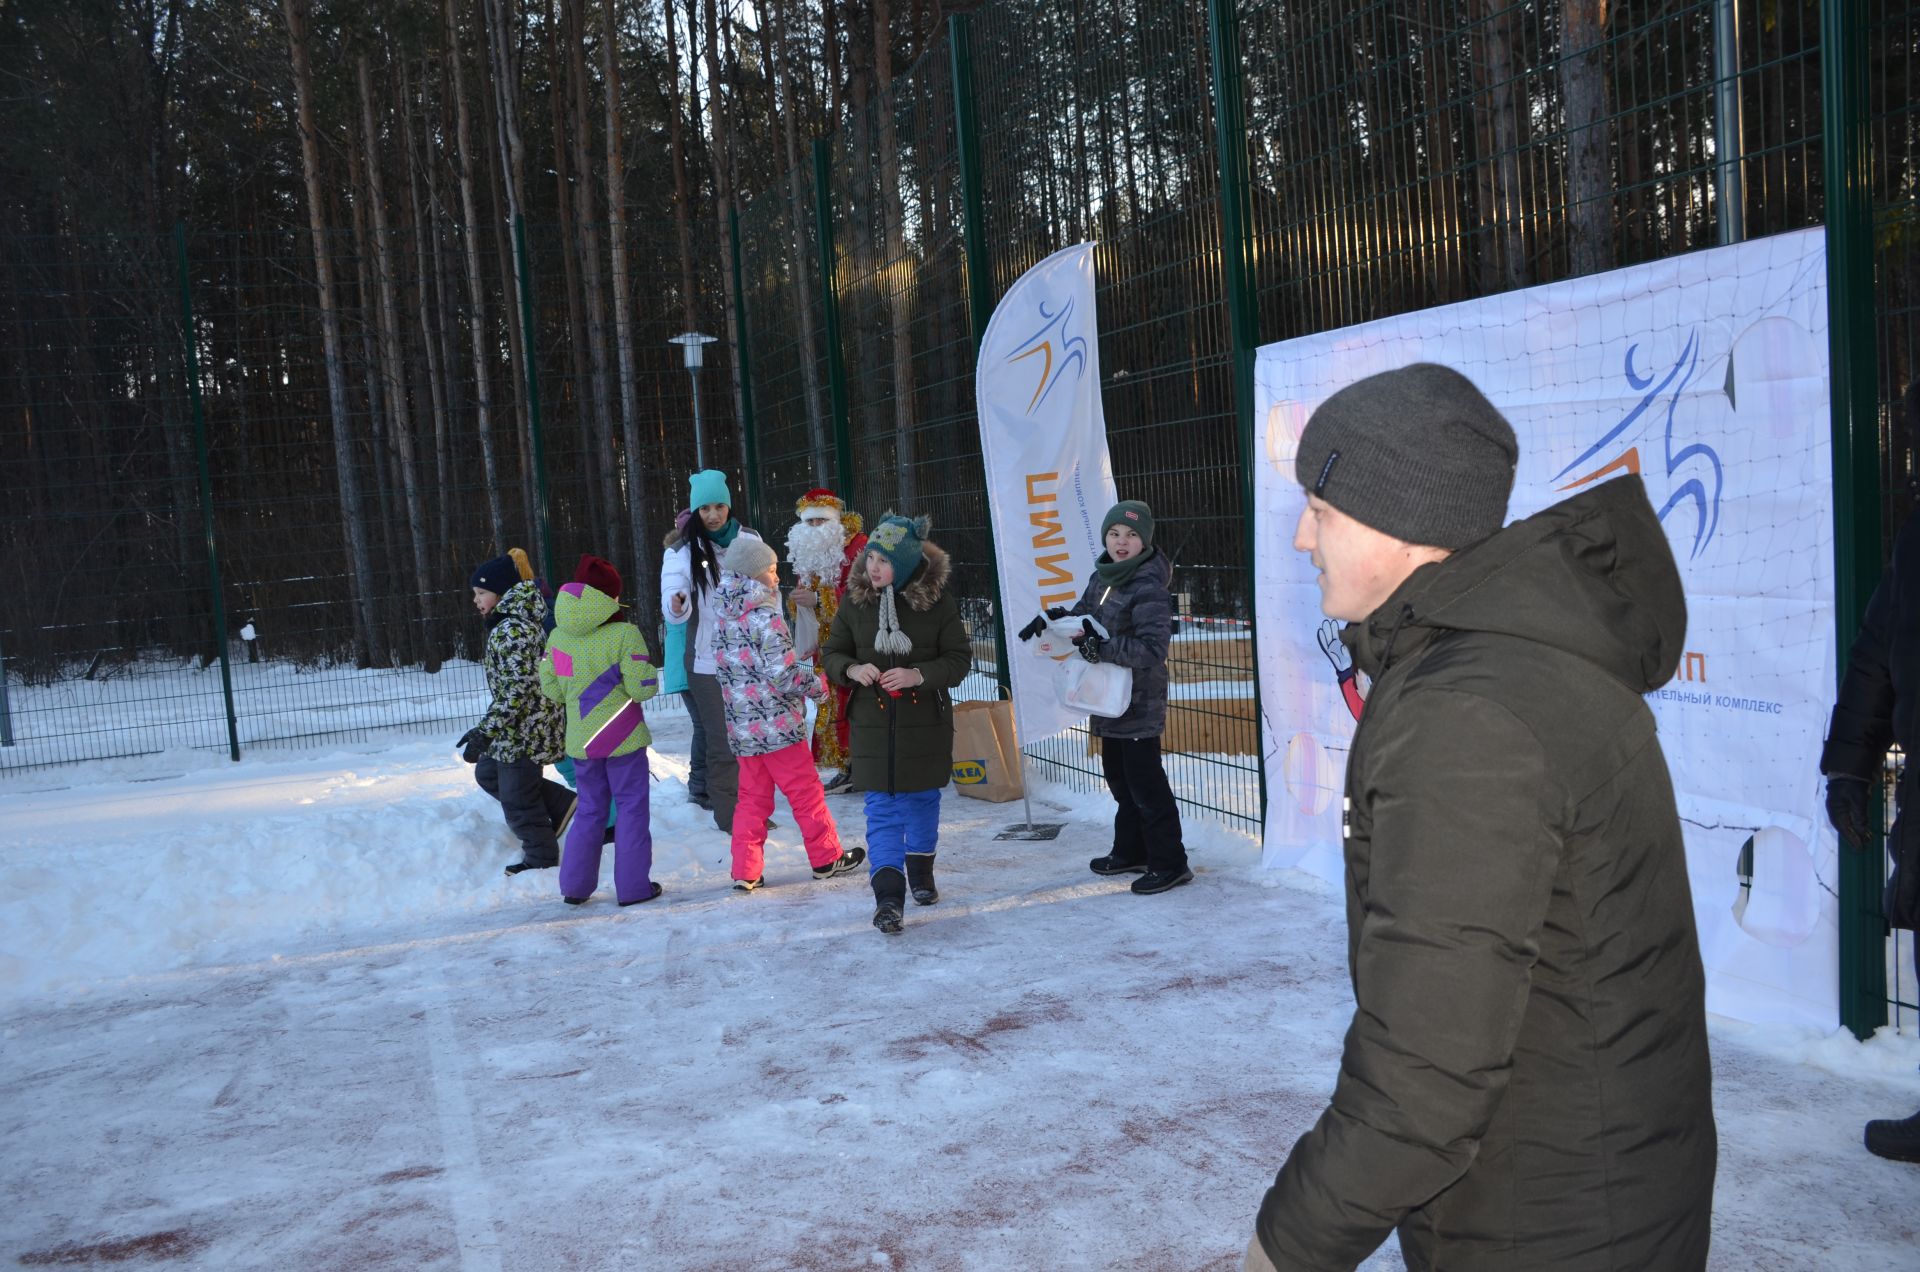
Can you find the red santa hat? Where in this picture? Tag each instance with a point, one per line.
(819, 497)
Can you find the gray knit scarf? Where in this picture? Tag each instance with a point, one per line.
(890, 639)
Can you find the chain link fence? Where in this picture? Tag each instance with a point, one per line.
(1251, 171)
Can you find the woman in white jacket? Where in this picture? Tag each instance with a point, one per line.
(689, 574)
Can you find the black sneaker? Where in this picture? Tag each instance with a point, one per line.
(515, 867)
(842, 784)
(1112, 865)
(1161, 881)
(657, 890)
(1895, 1141)
(851, 859)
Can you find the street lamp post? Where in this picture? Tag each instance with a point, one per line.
(692, 345)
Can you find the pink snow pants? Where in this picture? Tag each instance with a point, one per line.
(791, 769)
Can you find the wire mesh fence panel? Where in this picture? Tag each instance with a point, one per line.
(1097, 123)
(108, 644)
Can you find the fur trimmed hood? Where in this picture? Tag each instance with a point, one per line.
(929, 582)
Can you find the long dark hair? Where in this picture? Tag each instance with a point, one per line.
(703, 556)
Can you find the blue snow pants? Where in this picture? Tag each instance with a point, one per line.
(900, 824)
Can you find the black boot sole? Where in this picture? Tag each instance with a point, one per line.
(1167, 885)
(1140, 868)
(925, 896)
(888, 920)
(519, 866)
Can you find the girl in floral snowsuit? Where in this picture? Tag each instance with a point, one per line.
(765, 689)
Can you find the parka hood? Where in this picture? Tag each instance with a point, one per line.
(522, 600)
(738, 593)
(920, 592)
(580, 608)
(1592, 576)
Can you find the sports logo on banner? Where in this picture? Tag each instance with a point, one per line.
(1043, 441)
(1706, 374)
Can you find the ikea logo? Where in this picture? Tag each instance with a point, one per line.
(969, 772)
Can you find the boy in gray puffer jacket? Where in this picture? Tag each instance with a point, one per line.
(765, 690)
(1128, 598)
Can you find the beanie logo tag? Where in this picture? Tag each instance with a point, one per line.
(1326, 471)
(1131, 515)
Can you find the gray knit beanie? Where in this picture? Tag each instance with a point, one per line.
(748, 557)
(1418, 453)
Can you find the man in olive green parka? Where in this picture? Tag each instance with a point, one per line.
(1525, 1081)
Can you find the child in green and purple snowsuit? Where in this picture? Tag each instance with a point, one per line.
(597, 666)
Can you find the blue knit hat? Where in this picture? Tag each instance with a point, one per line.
(497, 576)
(900, 540)
(708, 486)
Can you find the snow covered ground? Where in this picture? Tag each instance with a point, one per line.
(289, 1014)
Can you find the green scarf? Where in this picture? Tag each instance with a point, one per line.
(723, 537)
(1116, 573)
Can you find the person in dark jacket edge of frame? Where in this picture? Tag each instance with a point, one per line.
(1879, 704)
(1525, 1081)
(522, 732)
(899, 641)
(1128, 597)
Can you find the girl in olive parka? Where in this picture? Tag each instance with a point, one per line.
(899, 644)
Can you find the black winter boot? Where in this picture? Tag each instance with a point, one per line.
(1895, 1141)
(889, 899)
(920, 878)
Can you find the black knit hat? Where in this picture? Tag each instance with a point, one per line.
(497, 576)
(1418, 453)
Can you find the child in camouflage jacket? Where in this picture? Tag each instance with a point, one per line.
(522, 732)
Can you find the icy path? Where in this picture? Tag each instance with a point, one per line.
(403, 1060)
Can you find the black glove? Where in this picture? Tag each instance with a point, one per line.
(1088, 641)
(1033, 629)
(472, 745)
(1847, 810)
(1057, 611)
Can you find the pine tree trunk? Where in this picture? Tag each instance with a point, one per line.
(369, 649)
(605, 513)
(780, 57)
(399, 421)
(476, 286)
(587, 240)
(1583, 92)
(900, 303)
(622, 308)
(682, 196)
(425, 270)
(722, 156)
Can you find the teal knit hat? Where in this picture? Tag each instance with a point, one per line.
(708, 486)
(900, 540)
(1134, 515)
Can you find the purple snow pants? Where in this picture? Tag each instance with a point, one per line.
(624, 780)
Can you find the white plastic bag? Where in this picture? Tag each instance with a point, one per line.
(806, 632)
(1101, 689)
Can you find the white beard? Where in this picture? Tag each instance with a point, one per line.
(816, 552)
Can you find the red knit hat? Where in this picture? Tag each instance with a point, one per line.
(598, 573)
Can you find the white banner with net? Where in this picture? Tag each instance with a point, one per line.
(1707, 375)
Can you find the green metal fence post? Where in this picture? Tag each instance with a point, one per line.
(533, 400)
(1243, 319)
(830, 314)
(979, 271)
(206, 487)
(1856, 452)
(749, 441)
